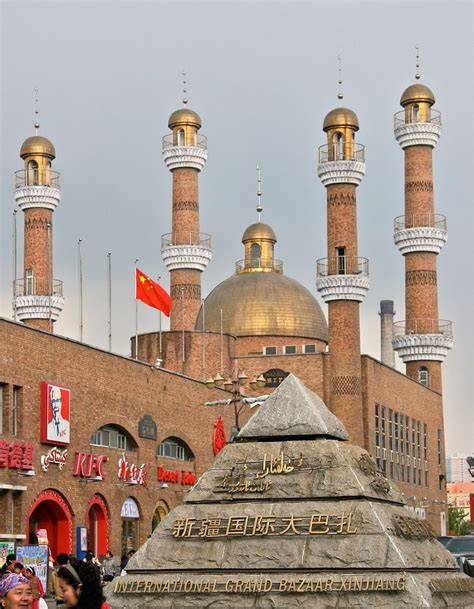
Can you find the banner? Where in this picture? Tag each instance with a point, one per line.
(36, 557)
(6, 548)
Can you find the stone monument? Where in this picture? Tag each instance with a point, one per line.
(292, 515)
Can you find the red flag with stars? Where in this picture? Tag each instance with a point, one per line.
(151, 293)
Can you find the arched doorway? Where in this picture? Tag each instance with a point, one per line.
(51, 512)
(97, 522)
(160, 512)
(130, 515)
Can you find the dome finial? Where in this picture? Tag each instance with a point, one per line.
(185, 99)
(259, 192)
(340, 94)
(417, 75)
(36, 111)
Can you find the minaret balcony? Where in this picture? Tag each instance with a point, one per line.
(342, 278)
(258, 264)
(423, 339)
(186, 251)
(36, 298)
(409, 132)
(341, 163)
(420, 233)
(37, 188)
(179, 154)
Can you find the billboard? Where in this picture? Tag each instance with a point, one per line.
(55, 414)
(36, 557)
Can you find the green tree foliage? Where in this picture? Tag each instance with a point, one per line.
(458, 521)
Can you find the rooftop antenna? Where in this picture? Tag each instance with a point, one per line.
(417, 75)
(36, 111)
(340, 94)
(185, 99)
(259, 192)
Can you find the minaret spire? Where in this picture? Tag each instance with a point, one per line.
(340, 94)
(36, 111)
(417, 75)
(259, 192)
(185, 88)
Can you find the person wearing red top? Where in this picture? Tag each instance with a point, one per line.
(81, 586)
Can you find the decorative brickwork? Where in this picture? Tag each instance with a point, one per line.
(341, 198)
(36, 223)
(420, 278)
(189, 292)
(186, 205)
(345, 385)
(419, 186)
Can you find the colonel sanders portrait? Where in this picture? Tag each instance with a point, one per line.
(58, 427)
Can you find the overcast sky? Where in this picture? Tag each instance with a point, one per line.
(262, 76)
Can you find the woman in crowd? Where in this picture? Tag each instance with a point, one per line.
(36, 586)
(81, 586)
(15, 592)
(109, 567)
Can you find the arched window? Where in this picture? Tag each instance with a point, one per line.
(113, 436)
(29, 282)
(255, 255)
(416, 113)
(174, 448)
(424, 376)
(181, 137)
(338, 145)
(32, 178)
(47, 176)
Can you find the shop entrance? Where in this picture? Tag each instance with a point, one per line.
(97, 522)
(50, 512)
(130, 514)
(160, 512)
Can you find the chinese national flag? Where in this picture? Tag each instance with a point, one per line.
(151, 293)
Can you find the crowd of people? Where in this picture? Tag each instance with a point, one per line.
(72, 583)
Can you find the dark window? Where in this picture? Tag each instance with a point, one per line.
(113, 436)
(269, 350)
(424, 376)
(255, 255)
(310, 349)
(341, 260)
(174, 449)
(16, 405)
(289, 349)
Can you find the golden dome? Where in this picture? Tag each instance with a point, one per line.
(417, 93)
(37, 145)
(341, 117)
(182, 117)
(263, 304)
(258, 231)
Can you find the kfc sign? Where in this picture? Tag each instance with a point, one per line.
(186, 478)
(88, 465)
(55, 414)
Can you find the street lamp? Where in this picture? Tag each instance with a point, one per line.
(235, 386)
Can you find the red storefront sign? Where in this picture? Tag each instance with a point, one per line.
(185, 478)
(17, 455)
(130, 472)
(88, 465)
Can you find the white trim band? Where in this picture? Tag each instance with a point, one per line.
(190, 157)
(341, 172)
(343, 287)
(38, 307)
(416, 347)
(186, 257)
(420, 239)
(37, 196)
(417, 134)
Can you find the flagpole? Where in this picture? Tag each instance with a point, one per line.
(159, 327)
(15, 262)
(182, 321)
(203, 352)
(222, 346)
(136, 310)
(109, 282)
(79, 267)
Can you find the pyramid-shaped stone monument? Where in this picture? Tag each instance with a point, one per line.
(292, 515)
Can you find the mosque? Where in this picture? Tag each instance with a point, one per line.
(258, 325)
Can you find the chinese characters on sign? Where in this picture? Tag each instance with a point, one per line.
(88, 465)
(237, 481)
(130, 472)
(54, 455)
(55, 414)
(16, 455)
(246, 526)
(185, 478)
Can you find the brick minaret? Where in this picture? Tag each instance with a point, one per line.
(343, 277)
(186, 252)
(422, 340)
(37, 297)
